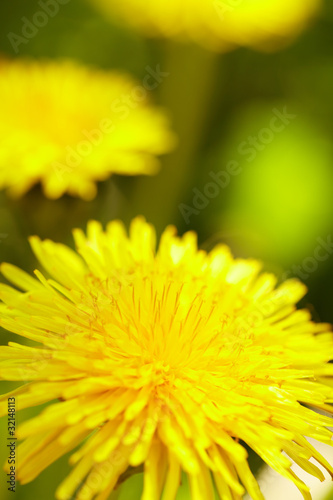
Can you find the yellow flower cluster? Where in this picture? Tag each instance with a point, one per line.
(70, 126)
(165, 358)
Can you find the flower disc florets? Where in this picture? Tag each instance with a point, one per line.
(166, 359)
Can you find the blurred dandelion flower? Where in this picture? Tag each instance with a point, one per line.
(218, 24)
(166, 359)
(68, 126)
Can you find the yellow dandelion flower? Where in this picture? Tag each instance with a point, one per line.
(69, 126)
(165, 358)
(218, 24)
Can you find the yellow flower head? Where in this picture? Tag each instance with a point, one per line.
(218, 24)
(68, 126)
(164, 358)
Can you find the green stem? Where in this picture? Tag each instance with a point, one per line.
(186, 94)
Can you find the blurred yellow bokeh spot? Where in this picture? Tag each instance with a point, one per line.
(216, 24)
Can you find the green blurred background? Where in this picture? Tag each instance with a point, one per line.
(277, 207)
